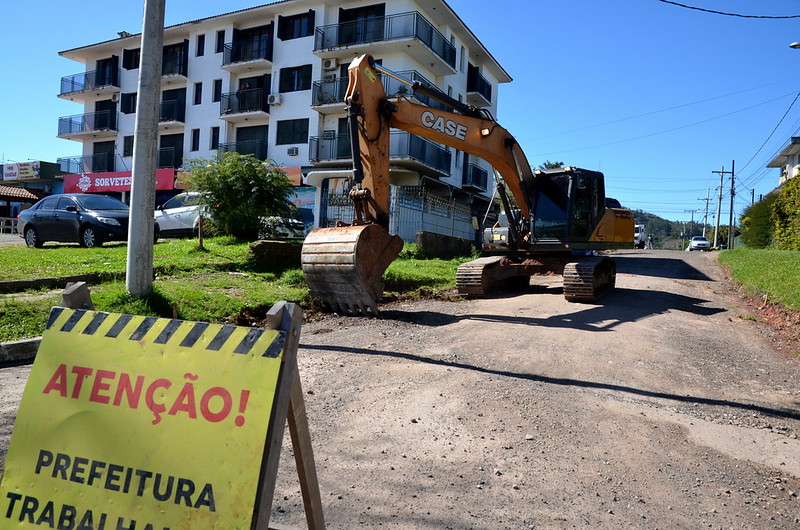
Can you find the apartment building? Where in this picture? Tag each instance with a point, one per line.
(788, 160)
(270, 81)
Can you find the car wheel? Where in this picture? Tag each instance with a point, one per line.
(89, 238)
(32, 239)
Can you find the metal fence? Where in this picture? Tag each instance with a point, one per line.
(412, 208)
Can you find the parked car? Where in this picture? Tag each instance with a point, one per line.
(281, 228)
(699, 243)
(179, 216)
(87, 219)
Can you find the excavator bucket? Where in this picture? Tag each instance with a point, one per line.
(343, 266)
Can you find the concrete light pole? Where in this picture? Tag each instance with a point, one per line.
(139, 272)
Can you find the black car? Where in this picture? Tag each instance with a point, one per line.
(87, 219)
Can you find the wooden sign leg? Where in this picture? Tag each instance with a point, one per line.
(304, 456)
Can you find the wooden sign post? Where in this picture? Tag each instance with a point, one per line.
(157, 423)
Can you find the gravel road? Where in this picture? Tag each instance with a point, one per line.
(663, 406)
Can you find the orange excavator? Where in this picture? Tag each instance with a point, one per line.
(555, 220)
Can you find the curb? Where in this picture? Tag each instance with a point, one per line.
(19, 350)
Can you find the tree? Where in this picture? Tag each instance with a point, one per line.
(238, 191)
(551, 165)
(786, 216)
(757, 228)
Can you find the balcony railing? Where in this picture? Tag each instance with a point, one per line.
(170, 157)
(475, 177)
(174, 64)
(327, 149)
(334, 90)
(477, 83)
(257, 148)
(108, 77)
(97, 163)
(405, 145)
(171, 111)
(386, 28)
(401, 145)
(251, 100)
(104, 120)
(259, 47)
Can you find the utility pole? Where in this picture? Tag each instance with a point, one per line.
(705, 214)
(722, 174)
(731, 233)
(139, 272)
(691, 224)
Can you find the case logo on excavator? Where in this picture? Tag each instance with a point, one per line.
(448, 127)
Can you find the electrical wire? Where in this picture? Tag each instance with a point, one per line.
(727, 14)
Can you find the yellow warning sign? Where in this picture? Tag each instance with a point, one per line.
(141, 422)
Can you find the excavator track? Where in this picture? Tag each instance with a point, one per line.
(589, 279)
(484, 276)
(343, 266)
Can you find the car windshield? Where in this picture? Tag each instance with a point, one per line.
(100, 202)
(699, 238)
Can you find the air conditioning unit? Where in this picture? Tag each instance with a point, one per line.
(329, 135)
(274, 99)
(330, 77)
(293, 151)
(330, 64)
(115, 97)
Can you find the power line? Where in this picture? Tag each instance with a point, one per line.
(773, 130)
(727, 14)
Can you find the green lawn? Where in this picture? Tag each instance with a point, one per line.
(220, 283)
(775, 273)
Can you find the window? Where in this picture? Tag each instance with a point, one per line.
(195, 140)
(296, 26)
(198, 93)
(127, 146)
(200, 49)
(220, 41)
(217, 90)
(127, 104)
(214, 137)
(130, 59)
(297, 78)
(292, 132)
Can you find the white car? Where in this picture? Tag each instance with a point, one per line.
(179, 216)
(699, 243)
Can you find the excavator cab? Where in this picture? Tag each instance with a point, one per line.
(569, 203)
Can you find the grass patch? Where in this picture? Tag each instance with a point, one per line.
(774, 272)
(220, 283)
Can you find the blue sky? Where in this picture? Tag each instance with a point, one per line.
(655, 95)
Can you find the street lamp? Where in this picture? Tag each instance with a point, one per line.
(795, 45)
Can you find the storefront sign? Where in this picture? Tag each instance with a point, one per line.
(21, 171)
(113, 181)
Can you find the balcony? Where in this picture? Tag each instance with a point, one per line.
(97, 82)
(174, 65)
(171, 113)
(257, 148)
(475, 177)
(405, 149)
(96, 124)
(479, 91)
(244, 105)
(380, 35)
(328, 95)
(248, 55)
(99, 163)
(170, 157)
